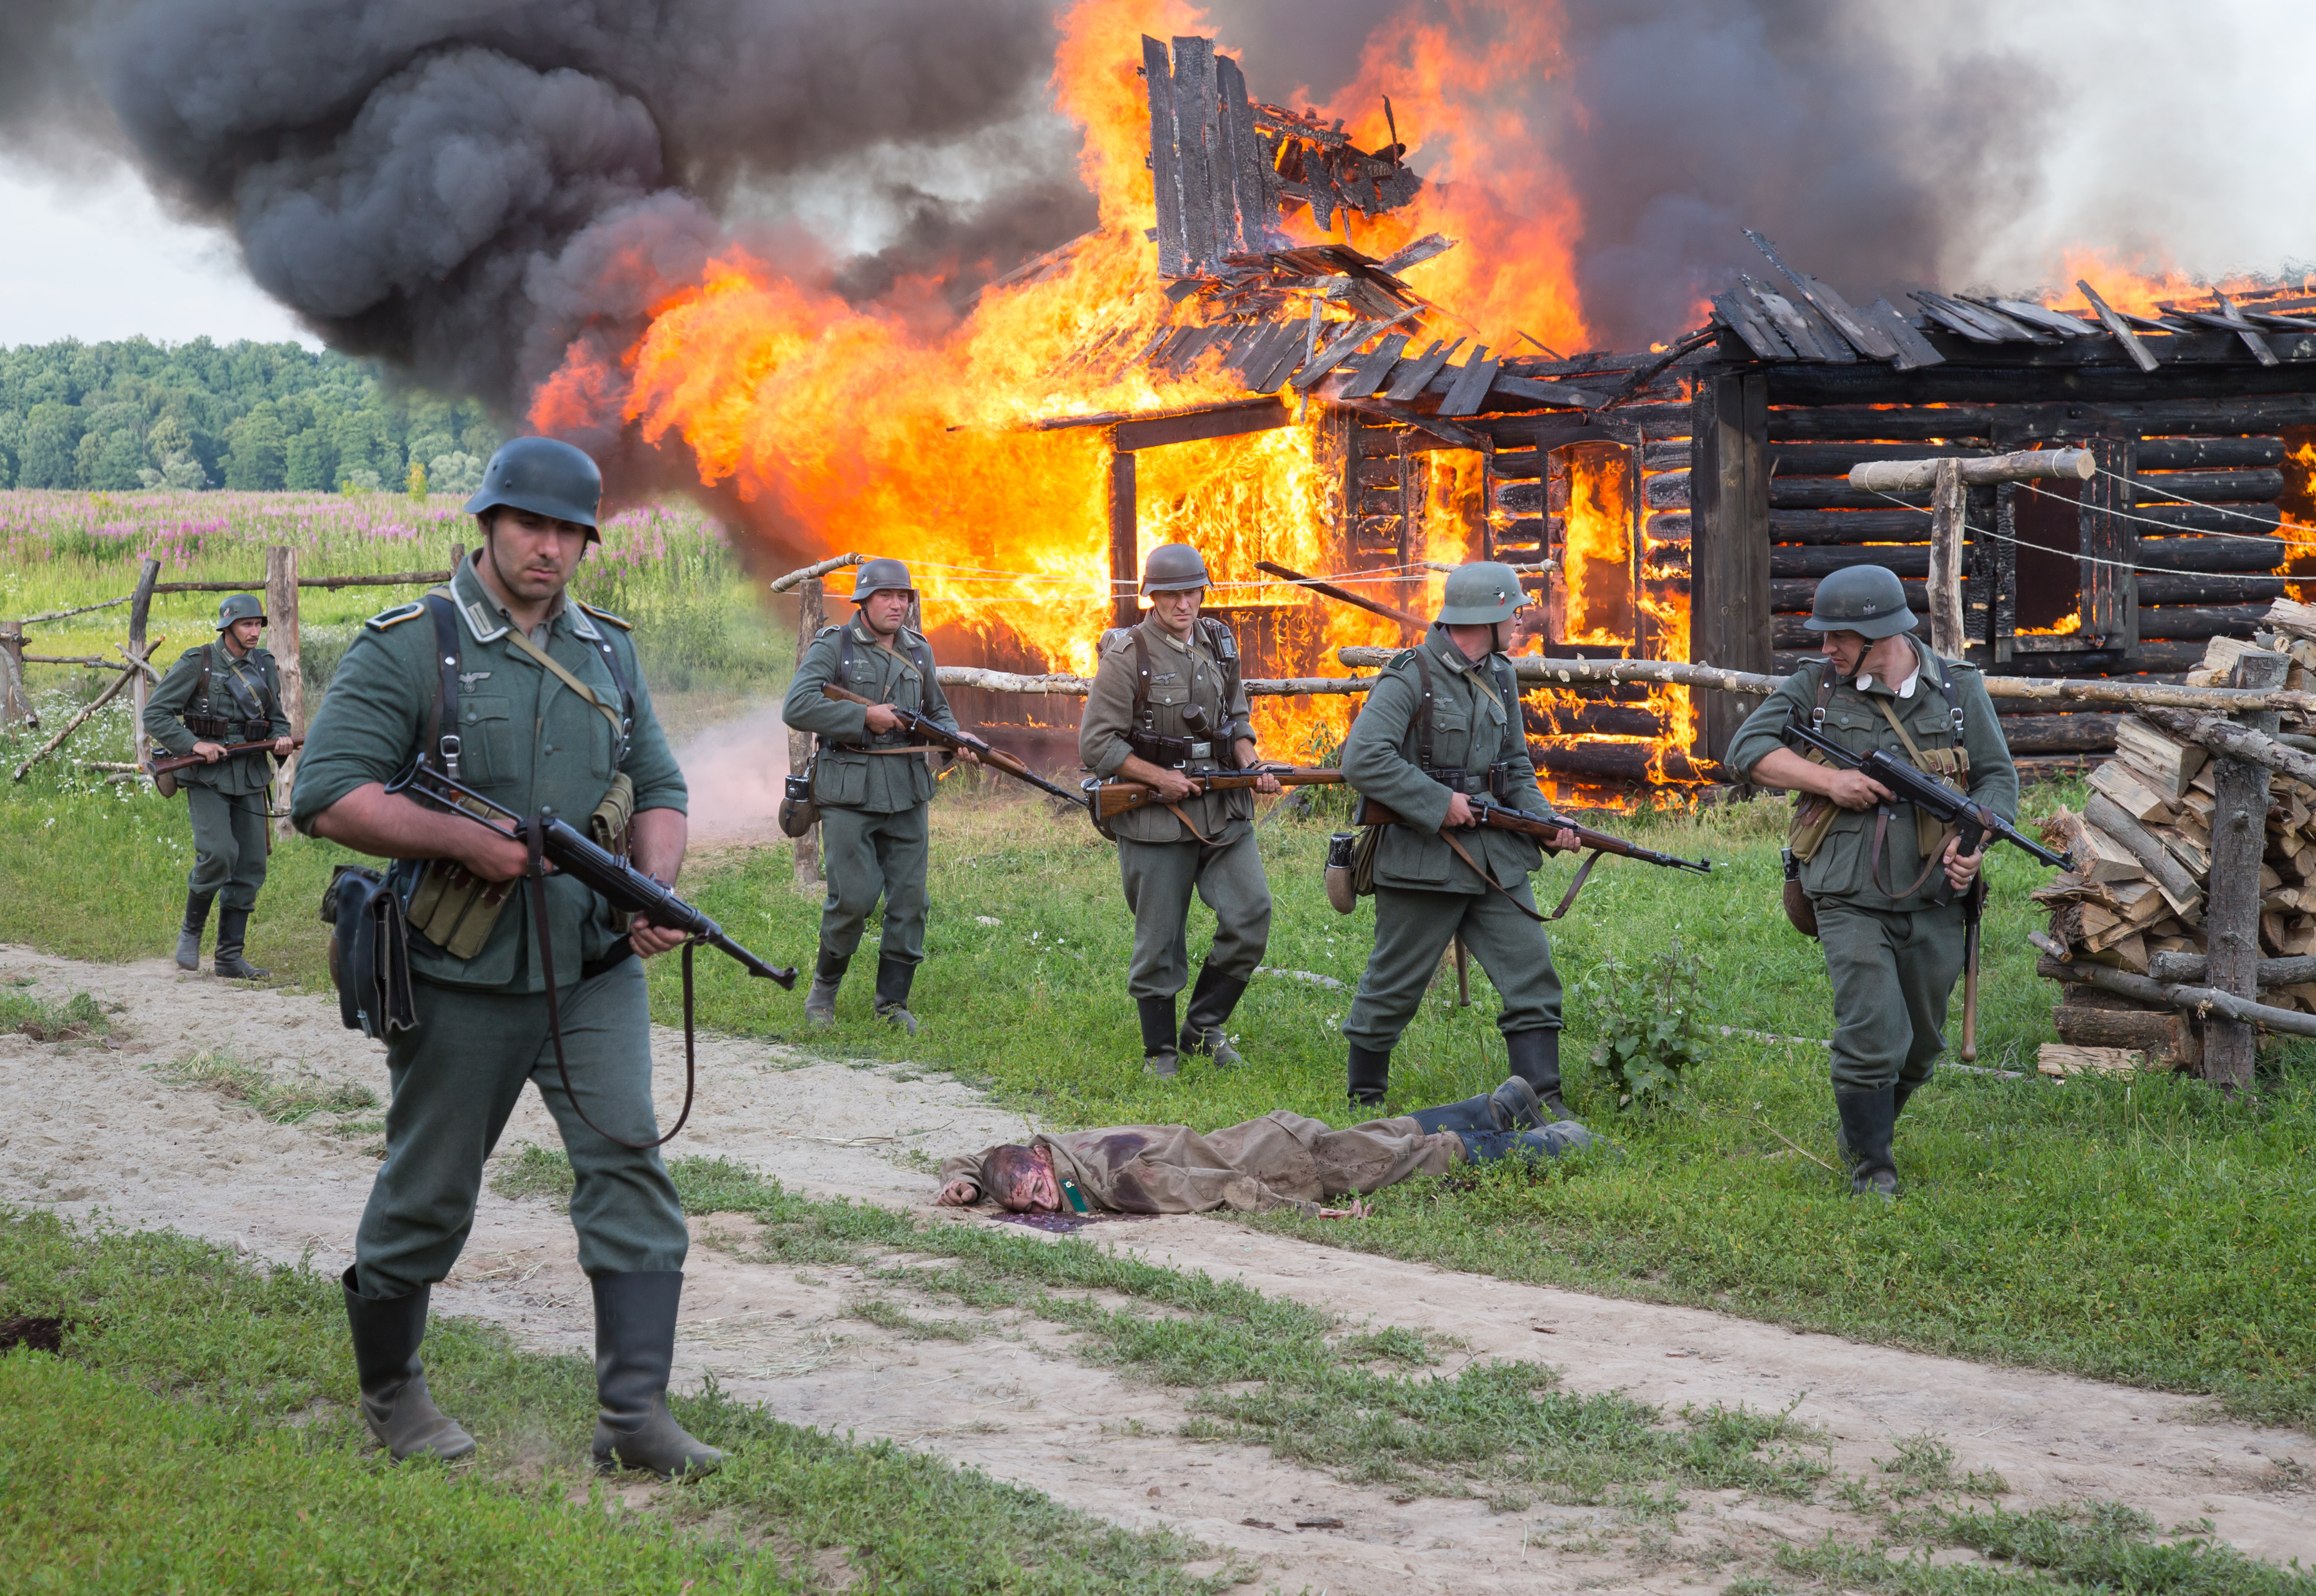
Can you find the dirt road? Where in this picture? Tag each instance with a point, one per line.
(99, 1127)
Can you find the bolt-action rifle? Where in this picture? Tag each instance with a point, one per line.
(1976, 822)
(932, 731)
(185, 762)
(1544, 827)
(1109, 799)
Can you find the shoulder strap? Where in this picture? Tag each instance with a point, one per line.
(1508, 690)
(1225, 649)
(442, 719)
(209, 663)
(627, 719)
(554, 667)
(1141, 680)
(1424, 713)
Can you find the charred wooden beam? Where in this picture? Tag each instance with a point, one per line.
(1835, 460)
(2206, 487)
(1834, 493)
(1620, 761)
(2211, 554)
(2091, 732)
(2183, 622)
(2190, 454)
(1848, 526)
(2237, 412)
(2241, 520)
(2208, 590)
(1907, 560)
(1797, 596)
(1576, 720)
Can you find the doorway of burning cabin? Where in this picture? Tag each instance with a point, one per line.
(1590, 533)
(1416, 506)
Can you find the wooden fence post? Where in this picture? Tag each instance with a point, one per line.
(811, 613)
(2232, 921)
(282, 620)
(1947, 504)
(16, 702)
(140, 612)
(1125, 537)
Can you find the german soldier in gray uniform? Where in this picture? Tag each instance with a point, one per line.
(1166, 704)
(1866, 863)
(501, 681)
(1442, 724)
(873, 787)
(218, 694)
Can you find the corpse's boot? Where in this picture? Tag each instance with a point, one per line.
(387, 1331)
(820, 1002)
(1535, 1060)
(1542, 1142)
(233, 926)
(189, 935)
(893, 979)
(1368, 1073)
(1512, 1106)
(1869, 1118)
(1159, 1054)
(1211, 1002)
(635, 1346)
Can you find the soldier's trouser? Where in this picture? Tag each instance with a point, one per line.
(455, 1079)
(1413, 928)
(1381, 1152)
(867, 856)
(228, 844)
(1892, 974)
(1159, 877)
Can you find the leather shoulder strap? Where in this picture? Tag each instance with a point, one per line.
(1141, 680)
(442, 746)
(1423, 712)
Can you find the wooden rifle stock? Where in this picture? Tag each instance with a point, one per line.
(1112, 798)
(185, 762)
(921, 726)
(1545, 828)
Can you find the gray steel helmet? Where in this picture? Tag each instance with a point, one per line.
(1867, 600)
(1174, 568)
(876, 576)
(544, 476)
(240, 606)
(1481, 594)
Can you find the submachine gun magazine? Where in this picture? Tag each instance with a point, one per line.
(932, 731)
(578, 856)
(1110, 799)
(1976, 822)
(1544, 828)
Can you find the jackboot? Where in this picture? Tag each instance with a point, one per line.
(1211, 1002)
(1901, 1092)
(1369, 1076)
(635, 1346)
(1546, 1141)
(820, 1002)
(1535, 1060)
(189, 936)
(1512, 1106)
(233, 926)
(893, 979)
(1869, 1118)
(387, 1331)
(1159, 1055)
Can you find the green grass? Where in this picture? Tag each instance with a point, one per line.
(287, 1102)
(199, 1433)
(79, 1015)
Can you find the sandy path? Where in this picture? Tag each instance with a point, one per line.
(95, 1129)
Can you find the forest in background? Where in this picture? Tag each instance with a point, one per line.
(134, 415)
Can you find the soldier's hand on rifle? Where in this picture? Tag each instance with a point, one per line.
(1264, 781)
(1459, 811)
(493, 855)
(283, 746)
(1961, 867)
(882, 719)
(211, 751)
(968, 756)
(1564, 842)
(1854, 789)
(650, 940)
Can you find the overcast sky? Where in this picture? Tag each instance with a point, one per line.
(2175, 141)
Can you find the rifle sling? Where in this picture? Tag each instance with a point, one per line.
(548, 663)
(1498, 887)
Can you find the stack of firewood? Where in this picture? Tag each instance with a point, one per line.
(2142, 851)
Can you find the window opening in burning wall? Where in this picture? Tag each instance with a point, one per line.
(1589, 527)
(2048, 525)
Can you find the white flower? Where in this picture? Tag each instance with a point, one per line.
(988, 920)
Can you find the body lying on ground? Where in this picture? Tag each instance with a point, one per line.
(1282, 1160)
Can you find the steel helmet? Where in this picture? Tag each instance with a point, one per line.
(1174, 568)
(1867, 600)
(240, 606)
(876, 576)
(1481, 594)
(544, 476)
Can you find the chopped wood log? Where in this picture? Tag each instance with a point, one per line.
(2055, 967)
(2237, 742)
(2060, 1060)
(2289, 615)
(2188, 968)
(1920, 475)
(2219, 662)
(835, 562)
(2165, 1035)
(2168, 763)
(2100, 856)
(2131, 793)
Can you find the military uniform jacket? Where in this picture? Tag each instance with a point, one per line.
(848, 776)
(1471, 729)
(1181, 674)
(246, 690)
(1841, 871)
(1253, 1168)
(525, 739)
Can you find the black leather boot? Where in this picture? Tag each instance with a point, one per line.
(1211, 1002)
(1535, 1060)
(1900, 1092)
(189, 936)
(1868, 1121)
(1159, 1055)
(635, 1347)
(233, 927)
(1512, 1106)
(820, 1002)
(893, 977)
(387, 1331)
(1369, 1075)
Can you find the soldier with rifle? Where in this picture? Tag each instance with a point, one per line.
(217, 695)
(502, 682)
(1888, 887)
(1166, 708)
(872, 784)
(1439, 734)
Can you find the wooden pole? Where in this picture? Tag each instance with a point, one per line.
(1947, 635)
(797, 578)
(287, 646)
(1729, 540)
(1125, 537)
(2034, 465)
(140, 612)
(15, 703)
(1343, 595)
(811, 615)
(2231, 925)
(127, 674)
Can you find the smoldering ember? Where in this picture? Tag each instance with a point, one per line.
(1322, 939)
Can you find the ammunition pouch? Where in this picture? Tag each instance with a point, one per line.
(369, 952)
(608, 826)
(216, 728)
(454, 908)
(1496, 780)
(1180, 754)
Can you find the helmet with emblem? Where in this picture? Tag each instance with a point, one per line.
(1481, 594)
(240, 606)
(1867, 600)
(880, 576)
(1174, 568)
(544, 476)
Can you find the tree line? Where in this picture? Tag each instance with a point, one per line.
(120, 417)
